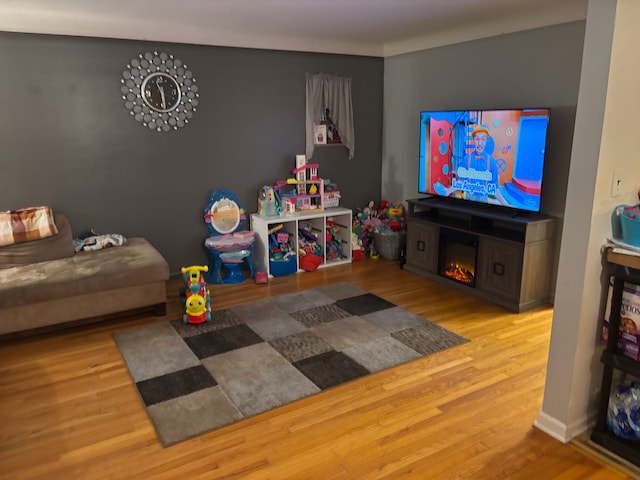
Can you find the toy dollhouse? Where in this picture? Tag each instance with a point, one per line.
(306, 190)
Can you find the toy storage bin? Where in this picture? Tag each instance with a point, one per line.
(388, 244)
(331, 199)
(630, 223)
(310, 262)
(280, 268)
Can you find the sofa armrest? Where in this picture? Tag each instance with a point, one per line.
(42, 250)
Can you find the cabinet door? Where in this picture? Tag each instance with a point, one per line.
(500, 268)
(422, 245)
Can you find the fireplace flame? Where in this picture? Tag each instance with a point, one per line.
(459, 273)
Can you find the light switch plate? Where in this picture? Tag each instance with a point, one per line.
(617, 182)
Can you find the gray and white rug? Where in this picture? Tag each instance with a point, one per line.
(263, 354)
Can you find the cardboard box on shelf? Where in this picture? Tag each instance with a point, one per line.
(628, 342)
(320, 136)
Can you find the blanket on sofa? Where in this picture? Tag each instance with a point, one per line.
(26, 224)
(98, 242)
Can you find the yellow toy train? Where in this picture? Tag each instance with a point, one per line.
(197, 299)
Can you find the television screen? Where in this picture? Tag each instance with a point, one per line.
(488, 156)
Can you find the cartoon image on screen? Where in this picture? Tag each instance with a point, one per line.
(492, 156)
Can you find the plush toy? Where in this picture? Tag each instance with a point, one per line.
(357, 250)
(269, 204)
(369, 211)
(371, 224)
(383, 209)
(396, 218)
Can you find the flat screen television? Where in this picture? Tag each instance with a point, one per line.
(493, 157)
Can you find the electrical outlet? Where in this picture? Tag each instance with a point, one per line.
(617, 183)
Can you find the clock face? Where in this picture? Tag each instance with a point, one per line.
(161, 92)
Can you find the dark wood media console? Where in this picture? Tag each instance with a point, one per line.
(512, 252)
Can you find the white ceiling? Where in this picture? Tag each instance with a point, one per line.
(359, 27)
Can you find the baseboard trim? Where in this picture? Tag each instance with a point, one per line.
(551, 426)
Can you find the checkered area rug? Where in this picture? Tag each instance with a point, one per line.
(254, 357)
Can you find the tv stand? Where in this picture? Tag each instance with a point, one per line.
(514, 250)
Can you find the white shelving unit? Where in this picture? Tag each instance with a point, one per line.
(316, 219)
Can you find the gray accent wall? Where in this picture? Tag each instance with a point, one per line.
(534, 68)
(67, 140)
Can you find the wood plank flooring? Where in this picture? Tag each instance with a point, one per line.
(68, 408)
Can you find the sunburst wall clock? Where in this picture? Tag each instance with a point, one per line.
(159, 91)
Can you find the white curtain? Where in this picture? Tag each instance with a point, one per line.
(332, 92)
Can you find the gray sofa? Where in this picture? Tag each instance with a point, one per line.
(45, 284)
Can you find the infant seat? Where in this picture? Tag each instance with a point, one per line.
(229, 248)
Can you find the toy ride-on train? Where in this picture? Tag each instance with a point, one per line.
(197, 299)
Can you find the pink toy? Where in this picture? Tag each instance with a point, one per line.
(262, 277)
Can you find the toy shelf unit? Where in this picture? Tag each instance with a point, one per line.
(499, 257)
(320, 222)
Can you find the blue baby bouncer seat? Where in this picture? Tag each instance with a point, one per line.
(229, 247)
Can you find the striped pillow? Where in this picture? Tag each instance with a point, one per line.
(26, 224)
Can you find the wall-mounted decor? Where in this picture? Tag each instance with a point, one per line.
(329, 94)
(159, 91)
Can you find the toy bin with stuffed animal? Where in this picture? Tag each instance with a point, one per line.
(282, 257)
(390, 244)
(280, 268)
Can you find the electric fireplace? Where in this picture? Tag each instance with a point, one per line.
(502, 258)
(457, 256)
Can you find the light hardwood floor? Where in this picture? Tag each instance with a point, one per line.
(68, 408)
